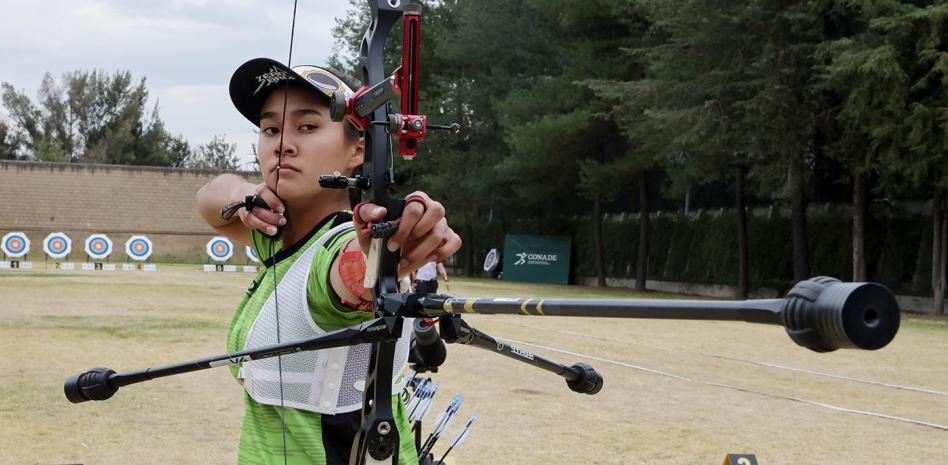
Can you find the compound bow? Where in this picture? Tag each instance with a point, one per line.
(821, 314)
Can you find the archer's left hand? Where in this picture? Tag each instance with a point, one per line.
(423, 233)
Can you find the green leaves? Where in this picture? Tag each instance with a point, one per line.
(88, 116)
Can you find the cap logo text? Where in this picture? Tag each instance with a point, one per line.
(273, 76)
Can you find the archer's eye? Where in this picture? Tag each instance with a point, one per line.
(271, 130)
(308, 127)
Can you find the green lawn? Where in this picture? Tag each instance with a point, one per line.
(709, 391)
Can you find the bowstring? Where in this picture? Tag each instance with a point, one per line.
(276, 294)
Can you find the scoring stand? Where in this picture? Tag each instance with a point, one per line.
(219, 249)
(251, 257)
(58, 246)
(15, 245)
(139, 249)
(98, 248)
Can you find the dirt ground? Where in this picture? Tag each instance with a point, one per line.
(675, 392)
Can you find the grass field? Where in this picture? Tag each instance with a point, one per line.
(713, 388)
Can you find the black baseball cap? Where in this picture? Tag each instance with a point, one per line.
(254, 80)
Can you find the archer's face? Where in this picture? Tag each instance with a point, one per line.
(313, 144)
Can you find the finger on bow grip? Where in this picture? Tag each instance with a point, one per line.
(417, 199)
(361, 225)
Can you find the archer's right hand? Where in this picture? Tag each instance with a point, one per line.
(265, 220)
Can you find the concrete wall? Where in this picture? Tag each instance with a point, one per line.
(39, 198)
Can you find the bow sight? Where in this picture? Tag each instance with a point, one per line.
(408, 128)
(821, 314)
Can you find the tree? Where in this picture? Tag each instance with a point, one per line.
(891, 71)
(89, 116)
(8, 146)
(217, 154)
(871, 86)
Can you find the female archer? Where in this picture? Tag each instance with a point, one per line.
(307, 405)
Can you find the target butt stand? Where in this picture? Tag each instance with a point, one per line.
(15, 246)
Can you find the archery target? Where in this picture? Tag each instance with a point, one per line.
(491, 260)
(251, 254)
(220, 249)
(15, 244)
(138, 248)
(57, 245)
(98, 246)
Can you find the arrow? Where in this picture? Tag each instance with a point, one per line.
(460, 437)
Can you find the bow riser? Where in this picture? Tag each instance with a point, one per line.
(378, 438)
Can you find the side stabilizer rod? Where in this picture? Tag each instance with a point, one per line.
(821, 314)
(102, 383)
(579, 377)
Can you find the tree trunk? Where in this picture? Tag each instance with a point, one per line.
(641, 269)
(859, 228)
(801, 256)
(938, 255)
(469, 256)
(743, 283)
(943, 260)
(921, 276)
(597, 242)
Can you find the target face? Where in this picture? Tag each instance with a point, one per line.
(15, 244)
(220, 249)
(490, 261)
(252, 254)
(138, 248)
(98, 246)
(57, 245)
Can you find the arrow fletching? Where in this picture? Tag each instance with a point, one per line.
(442, 422)
(409, 380)
(415, 398)
(462, 434)
(424, 402)
(427, 406)
(459, 437)
(445, 418)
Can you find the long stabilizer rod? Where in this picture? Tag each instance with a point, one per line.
(822, 313)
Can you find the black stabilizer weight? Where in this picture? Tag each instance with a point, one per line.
(588, 382)
(91, 385)
(824, 314)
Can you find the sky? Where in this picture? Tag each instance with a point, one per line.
(186, 50)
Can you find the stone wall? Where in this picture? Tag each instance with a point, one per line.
(39, 198)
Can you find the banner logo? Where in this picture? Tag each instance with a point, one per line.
(524, 258)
